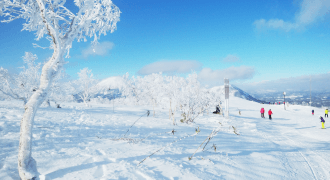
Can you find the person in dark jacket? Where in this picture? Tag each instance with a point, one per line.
(313, 111)
(270, 114)
(322, 121)
(217, 110)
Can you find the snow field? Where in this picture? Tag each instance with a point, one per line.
(76, 142)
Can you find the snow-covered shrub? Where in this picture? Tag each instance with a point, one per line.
(178, 94)
(23, 85)
(86, 82)
(61, 90)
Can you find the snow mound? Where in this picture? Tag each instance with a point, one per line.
(115, 82)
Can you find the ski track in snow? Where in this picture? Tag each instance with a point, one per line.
(76, 142)
(281, 138)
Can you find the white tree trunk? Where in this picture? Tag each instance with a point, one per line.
(26, 164)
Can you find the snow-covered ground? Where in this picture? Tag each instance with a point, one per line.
(76, 142)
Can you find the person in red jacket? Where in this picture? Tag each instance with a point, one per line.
(262, 111)
(270, 114)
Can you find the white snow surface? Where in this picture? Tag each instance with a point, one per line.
(76, 142)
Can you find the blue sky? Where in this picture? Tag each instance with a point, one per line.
(249, 41)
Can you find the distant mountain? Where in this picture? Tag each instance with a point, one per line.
(115, 82)
(108, 88)
(319, 99)
(244, 95)
(237, 92)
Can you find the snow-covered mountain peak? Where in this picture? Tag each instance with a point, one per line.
(114, 82)
(235, 91)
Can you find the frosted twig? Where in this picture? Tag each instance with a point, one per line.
(37, 46)
(167, 146)
(235, 130)
(159, 134)
(208, 137)
(148, 112)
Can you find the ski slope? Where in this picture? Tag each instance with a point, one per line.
(76, 142)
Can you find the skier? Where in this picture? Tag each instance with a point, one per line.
(270, 114)
(313, 111)
(326, 113)
(279, 103)
(262, 111)
(322, 121)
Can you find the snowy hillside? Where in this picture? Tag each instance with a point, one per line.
(237, 92)
(76, 142)
(108, 88)
(114, 82)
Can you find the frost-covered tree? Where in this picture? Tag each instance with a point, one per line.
(61, 90)
(172, 91)
(190, 96)
(21, 86)
(86, 83)
(5, 84)
(129, 90)
(153, 88)
(62, 27)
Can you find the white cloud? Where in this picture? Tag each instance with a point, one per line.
(275, 24)
(216, 77)
(312, 10)
(309, 12)
(300, 83)
(180, 66)
(231, 58)
(100, 49)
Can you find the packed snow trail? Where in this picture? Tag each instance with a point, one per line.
(273, 131)
(76, 142)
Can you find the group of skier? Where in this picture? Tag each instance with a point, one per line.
(270, 112)
(275, 103)
(262, 111)
(325, 115)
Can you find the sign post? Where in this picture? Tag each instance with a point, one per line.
(284, 99)
(227, 96)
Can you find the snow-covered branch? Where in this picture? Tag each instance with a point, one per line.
(21, 86)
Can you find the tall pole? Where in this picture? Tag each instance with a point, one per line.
(227, 96)
(113, 100)
(284, 99)
(310, 91)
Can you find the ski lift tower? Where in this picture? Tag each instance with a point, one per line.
(310, 91)
(284, 99)
(227, 96)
